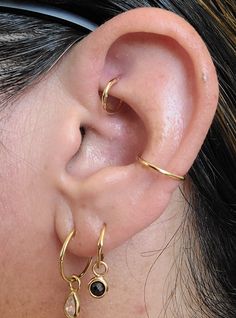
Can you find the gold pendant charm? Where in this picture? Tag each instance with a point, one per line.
(98, 286)
(72, 305)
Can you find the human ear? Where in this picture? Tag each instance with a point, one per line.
(168, 85)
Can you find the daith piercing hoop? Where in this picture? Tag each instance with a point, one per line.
(107, 107)
(98, 286)
(162, 171)
(72, 304)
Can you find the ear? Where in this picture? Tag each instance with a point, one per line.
(169, 90)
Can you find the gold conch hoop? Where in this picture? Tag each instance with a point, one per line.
(105, 96)
(72, 278)
(162, 171)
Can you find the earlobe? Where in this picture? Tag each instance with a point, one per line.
(169, 91)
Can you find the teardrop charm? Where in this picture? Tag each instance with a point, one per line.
(72, 306)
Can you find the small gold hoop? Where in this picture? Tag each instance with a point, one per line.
(100, 273)
(73, 278)
(105, 96)
(100, 255)
(77, 280)
(162, 171)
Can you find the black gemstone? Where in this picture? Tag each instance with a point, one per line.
(97, 289)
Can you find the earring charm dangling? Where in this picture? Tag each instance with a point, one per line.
(72, 304)
(105, 95)
(98, 286)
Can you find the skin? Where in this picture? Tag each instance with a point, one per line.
(53, 181)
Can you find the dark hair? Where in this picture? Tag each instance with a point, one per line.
(30, 47)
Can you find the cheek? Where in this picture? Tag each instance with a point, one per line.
(29, 257)
(24, 194)
(29, 251)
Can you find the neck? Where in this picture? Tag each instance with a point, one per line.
(146, 273)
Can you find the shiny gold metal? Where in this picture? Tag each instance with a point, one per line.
(162, 171)
(105, 96)
(97, 270)
(75, 279)
(100, 255)
(72, 303)
(98, 286)
(62, 257)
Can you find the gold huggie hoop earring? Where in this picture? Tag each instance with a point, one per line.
(98, 286)
(105, 96)
(72, 304)
(162, 171)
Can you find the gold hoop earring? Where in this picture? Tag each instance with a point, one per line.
(108, 108)
(162, 171)
(98, 286)
(72, 304)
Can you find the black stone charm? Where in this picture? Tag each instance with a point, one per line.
(98, 287)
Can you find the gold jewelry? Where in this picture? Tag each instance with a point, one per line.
(108, 108)
(72, 304)
(154, 167)
(98, 286)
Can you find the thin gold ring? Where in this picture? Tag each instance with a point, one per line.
(105, 269)
(105, 96)
(70, 279)
(162, 171)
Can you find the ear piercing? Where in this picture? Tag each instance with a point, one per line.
(97, 286)
(157, 169)
(105, 95)
(72, 304)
